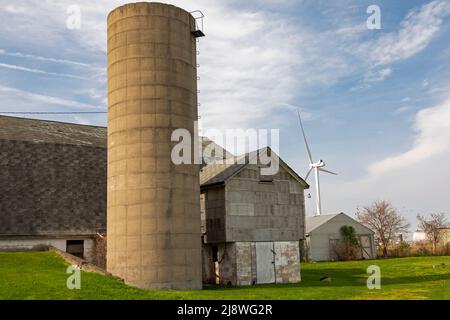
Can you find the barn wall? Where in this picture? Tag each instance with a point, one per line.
(259, 211)
(227, 263)
(208, 271)
(212, 208)
(319, 239)
(30, 244)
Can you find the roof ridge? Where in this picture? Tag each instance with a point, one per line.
(53, 121)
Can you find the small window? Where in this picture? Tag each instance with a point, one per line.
(265, 179)
(75, 247)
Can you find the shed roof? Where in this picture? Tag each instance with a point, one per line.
(219, 173)
(314, 222)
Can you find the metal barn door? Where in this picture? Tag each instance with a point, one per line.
(265, 264)
(366, 246)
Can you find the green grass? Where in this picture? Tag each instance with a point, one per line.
(42, 275)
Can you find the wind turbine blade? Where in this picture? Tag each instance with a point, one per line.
(309, 172)
(304, 138)
(320, 169)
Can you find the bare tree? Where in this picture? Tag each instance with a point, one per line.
(385, 221)
(433, 227)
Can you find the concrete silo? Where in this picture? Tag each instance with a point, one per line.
(153, 217)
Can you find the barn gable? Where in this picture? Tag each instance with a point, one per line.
(215, 173)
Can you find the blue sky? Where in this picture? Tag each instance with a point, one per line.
(376, 102)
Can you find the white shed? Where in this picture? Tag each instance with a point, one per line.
(324, 231)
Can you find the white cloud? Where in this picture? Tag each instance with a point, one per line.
(414, 34)
(377, 75)
(402, 109)
(416, 31)
(39, 58)
(38, 71)
(12, 8)
(433, 137)
(416, 180)
(252, 62)
(13, 99)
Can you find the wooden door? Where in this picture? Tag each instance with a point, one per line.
(366, 246)
(265, 262)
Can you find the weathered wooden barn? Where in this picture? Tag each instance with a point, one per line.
(53, 181)
(323, 235)
(253, 225)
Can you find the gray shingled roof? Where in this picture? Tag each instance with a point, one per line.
(218, 152)
(219, 173)
(313, 222)
(33, 130)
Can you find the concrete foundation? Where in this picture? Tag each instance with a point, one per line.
(153, 219)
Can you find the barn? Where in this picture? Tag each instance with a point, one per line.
(253, 225)
(323, 235)
(53, 186)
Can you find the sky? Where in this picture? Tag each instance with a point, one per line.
(376, 102)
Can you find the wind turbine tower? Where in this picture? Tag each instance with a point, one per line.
(314, 166)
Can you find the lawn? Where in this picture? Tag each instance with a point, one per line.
(42, 275)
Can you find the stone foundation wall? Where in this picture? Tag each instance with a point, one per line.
(287, 261)
(243, 263)
(237, 264)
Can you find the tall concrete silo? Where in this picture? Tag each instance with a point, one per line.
(153, 215)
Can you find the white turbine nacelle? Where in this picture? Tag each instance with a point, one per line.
(319, 164)
(314, 166)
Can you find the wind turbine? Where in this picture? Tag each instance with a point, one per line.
(316, 166)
